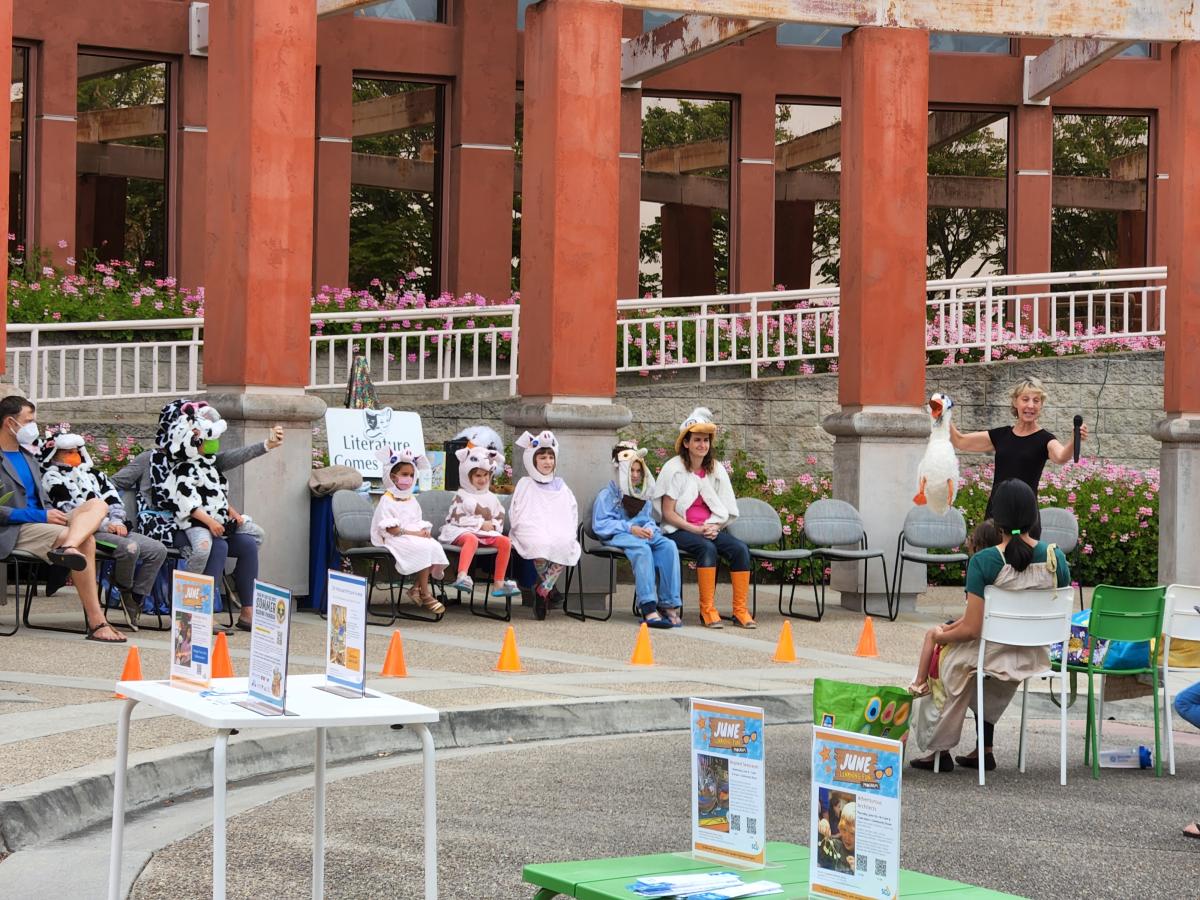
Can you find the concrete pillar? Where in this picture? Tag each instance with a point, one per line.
(6, 184)
(191, 142)
(262, 83)
(688, 266)
(331, 197)
(881, 430)
(482, 120)
(54, 136)
(567, 377)
(1179, 431)
(752, 174)
(794, 221)
(630, 238)
(1030, 204)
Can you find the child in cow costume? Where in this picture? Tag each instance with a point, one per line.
(189, 499)
(476, 517)
(69, 480)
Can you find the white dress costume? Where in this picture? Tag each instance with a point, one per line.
(543, 516)
(398, 508)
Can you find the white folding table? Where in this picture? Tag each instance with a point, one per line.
(313, 708)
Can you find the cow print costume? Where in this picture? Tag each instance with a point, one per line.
(69, 487)
(183, 478)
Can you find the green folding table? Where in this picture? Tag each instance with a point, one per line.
(608, 879)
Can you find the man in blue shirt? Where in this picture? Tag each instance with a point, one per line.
(29, 522)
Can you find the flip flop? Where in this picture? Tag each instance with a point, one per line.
(657, 622)
(68, 558)
(1194, 833)
(91, 635)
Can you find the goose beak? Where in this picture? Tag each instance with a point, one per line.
(935, 410)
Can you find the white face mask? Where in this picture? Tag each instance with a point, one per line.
(27, 433)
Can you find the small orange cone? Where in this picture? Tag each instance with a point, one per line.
(643, 653)
(785, 651)
(222, 665)
(393, 663)
(132, 670)
(866, 639)
(509, 660)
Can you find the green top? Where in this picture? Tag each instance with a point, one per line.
(986, 565)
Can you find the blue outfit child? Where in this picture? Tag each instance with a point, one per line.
(655, 560)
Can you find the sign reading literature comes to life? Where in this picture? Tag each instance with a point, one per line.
(346, 636)
(728, 782)
(191, 630)
(855, 828)
(269, 649)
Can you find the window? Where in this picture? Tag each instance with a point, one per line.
(799, 34)
(807, 165)
(951, 42)
(406, 10)
(18, 148)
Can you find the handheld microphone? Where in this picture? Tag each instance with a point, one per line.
(1078, 437)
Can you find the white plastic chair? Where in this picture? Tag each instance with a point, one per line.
(1180, 620)
(1029, 618)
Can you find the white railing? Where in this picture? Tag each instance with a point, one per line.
(785, 330)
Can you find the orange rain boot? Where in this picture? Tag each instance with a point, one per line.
(741, 594)
(706, 580)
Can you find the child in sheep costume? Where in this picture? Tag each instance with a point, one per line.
(543, 516)
(476, 517)
(398, 527)
(621, 516)
(694, 500)
(69, 480)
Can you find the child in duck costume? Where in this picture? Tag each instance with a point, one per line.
(621, 516)
(476, 517)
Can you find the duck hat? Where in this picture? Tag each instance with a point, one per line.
(531, 444)
(699, 421)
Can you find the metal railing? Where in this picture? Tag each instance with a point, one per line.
(978, 318)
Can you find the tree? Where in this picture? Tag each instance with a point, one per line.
(960, 238)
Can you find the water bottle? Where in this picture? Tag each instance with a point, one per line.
(1126, 758)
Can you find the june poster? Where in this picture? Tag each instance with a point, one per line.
(855, 828)
(191, 629)
(346, 636)
(728, 782)
(269, 646)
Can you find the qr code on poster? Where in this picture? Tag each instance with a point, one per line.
(860, 862)
(881, 868)
(735, 822)
(751, 825)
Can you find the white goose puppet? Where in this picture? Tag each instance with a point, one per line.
(937, 474)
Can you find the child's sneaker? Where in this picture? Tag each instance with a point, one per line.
(463, 583)
(506, 588)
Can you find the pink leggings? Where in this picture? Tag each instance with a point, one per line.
(470, 543)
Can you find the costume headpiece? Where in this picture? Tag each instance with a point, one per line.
(389, 458)
(531, 444)
(471, 458)
(698, 422)
(625, 454)
(56, 440)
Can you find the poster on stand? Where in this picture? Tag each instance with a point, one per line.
(728, 783)
(191, 630)
(346, 635)
(269, 649)
(855, 829)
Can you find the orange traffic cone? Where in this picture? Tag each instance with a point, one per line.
(509, 660)
(866, 639)
(393, 663)
(643, 653)
(222, 665)
(132, 670)
(785, 651)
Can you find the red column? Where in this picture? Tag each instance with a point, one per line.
(262, 86)
(885, 99)
(629, 242)
(480, 173)
(688, 267)
(6, 16)
(1030, 198)
(752, 265)
(191, 143)
(571, 186)
(1181, 372)
(331, 196)
(54, 128)
(794, 220)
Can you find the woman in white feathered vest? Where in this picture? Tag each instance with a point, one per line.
(694, 500)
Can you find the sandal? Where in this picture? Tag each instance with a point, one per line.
(972, 761)
(671, 614)
(654, 620)
(926, 763)
(431, 603)
(91, 635)
(68, 558)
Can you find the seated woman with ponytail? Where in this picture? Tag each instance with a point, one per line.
(1019, 563)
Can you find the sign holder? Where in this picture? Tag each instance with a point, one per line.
(191, 630)
(346, 636)
(269, 647)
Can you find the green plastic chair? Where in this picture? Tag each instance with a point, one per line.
(1121, 614)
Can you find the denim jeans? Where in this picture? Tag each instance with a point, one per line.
(659, 557)
(1187, 704)
(706, 551)
(243, 547)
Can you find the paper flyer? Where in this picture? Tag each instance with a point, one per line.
(728, 782)
(345, 645)
(437, 471)
(269, 648)
(191, 629)
(855, 828)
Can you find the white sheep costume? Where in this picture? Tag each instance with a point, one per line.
(411, 551)
(471, 507)
(543, 516)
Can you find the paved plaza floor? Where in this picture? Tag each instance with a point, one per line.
(580, 755)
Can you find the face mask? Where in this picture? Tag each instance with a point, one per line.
(403, 482)
(72, 458)
(27, 433)
(209, 447)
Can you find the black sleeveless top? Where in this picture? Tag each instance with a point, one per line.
(1019, 457)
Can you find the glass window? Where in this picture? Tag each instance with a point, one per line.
(951, 42)
(651, 20)
(121, 157)
(17, 149)
(406, 10)
(518, 160)
(395, 174)
(1140, 50)
(799, 34)
(807, 163)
